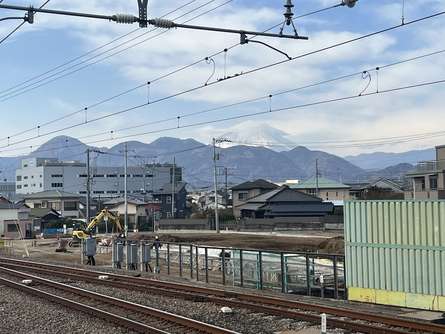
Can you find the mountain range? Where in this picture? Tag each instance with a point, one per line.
(243, 162)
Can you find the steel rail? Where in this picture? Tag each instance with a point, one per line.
(121, 321)
(224, 297)
(187, 323)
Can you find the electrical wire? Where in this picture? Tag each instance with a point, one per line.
(85, 109)
(20, 25)
(112, 132)
(92, 51)
(158, 78)
(55, 76)
(289, 108)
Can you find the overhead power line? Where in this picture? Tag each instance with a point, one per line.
(143, 84)
(258, 113)
(92, 51)
(20, 25)
(217, 81)
(25, 86)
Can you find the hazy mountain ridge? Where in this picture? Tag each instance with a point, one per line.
(243, 162)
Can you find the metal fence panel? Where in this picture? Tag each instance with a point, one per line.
(396, 246)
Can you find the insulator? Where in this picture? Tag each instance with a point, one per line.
(288, 14)
(162, 23)
(125, 18)
(349, 3)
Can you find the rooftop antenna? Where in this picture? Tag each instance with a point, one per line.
(288, 14)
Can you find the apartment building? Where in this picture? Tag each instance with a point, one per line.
(40, 174)
(428, 178)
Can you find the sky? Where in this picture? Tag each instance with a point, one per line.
(76, 45)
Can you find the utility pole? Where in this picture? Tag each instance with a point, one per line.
(173, 187)
(215, 180)
(88, 185)
(317, 190)
(125, 191)
(226, 194)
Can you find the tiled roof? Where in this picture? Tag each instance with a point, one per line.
(51, 194)
(257, 184)
(323, 183)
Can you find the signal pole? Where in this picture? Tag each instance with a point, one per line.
(173, 187)
(317, 190)
(88, 185)
(125, 191)
(215, 180)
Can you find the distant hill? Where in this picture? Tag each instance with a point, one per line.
(379, 160)
(243, 162)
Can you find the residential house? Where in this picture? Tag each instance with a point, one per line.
(428, 178)
(141, 214)
(66, 204)
(15, 221)
(325, 189)
(7, 190)
(241, 193)
(46, 221)
(382, 188)
(284, 202)
(164, 196)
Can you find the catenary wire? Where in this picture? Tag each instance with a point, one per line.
(55, 76)
(218, 108)
(2, 92)
(20, 25)
(158, 78)
(294, 107)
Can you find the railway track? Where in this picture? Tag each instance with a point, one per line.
(337, 317)
(136, 317)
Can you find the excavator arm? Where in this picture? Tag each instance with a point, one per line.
(104, 214)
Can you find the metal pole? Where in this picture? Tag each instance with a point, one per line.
(317, 190)
(88, 185)
(223, 266)
(173, 187)
(283, 273)
(191, 261)
(241, 270)
(168, 259)
(226, 195)
(197, 262)
(206, 264)
(125, 191)
(260, 269)
(215, 180)
(335, 277)
(308, 279)
(180, 260)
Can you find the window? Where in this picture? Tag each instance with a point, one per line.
(312, 192)
(243, 196)
(148, 175)
(37, 205)
(32, 176)
(111, 175)
(336, 193)
(70, 206)
(56, 175)
(25, 186)
(25, 178)
(12, 228)
(82, 175)
(82, 192)
(123, 175)
(433, 182)
(57, 185)
(19, 186)
(41, 175)
(19, 178)
(98, 175)
(55, 205)
(168, 199)
(112, 192)
(25, 165)
(33, 185)
(98, 192)
(40, 185)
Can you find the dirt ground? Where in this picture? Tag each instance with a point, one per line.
(319, 241)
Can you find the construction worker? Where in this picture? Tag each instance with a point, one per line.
(157, 245)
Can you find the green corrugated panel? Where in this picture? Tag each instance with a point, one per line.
(396, 245)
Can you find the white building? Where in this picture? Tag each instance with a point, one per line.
(40, 174)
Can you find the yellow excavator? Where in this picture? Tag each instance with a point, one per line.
(103, 215)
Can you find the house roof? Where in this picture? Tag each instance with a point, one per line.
(6, 206)
(323, 183)
(120, 200)
(257, 184)
(42, 212)
(283, 194)
(168, 187)
(51, 194)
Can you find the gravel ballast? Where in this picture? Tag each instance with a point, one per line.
(24, 314)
